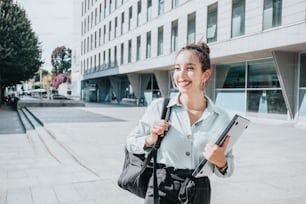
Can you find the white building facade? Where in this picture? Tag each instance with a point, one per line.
(258, 50)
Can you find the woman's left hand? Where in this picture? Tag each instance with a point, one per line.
(215, 154)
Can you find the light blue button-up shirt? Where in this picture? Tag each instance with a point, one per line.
(183, 144)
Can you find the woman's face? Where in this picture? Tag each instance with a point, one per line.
(188, 74)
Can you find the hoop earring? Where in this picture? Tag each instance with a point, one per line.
(203, 84)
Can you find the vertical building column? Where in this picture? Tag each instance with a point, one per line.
(287, 70)
(135, 81)
(162, 79)
(103, 90)
(116, 86)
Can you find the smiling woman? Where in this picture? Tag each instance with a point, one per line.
(193, 126)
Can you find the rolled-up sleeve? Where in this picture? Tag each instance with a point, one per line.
(230, 166)
(136, 138)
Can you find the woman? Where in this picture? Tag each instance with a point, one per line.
(194, 125)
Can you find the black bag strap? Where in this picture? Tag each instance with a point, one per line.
(165, 115)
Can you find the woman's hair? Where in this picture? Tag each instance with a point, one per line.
(202, 50)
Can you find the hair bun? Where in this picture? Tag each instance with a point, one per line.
(204, 46)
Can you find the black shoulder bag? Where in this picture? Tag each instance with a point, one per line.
(138, 169)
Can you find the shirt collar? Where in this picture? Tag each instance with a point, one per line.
(211, 107)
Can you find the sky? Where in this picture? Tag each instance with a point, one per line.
(52, 21)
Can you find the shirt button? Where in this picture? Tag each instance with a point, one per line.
(189, 136)
(187, 153)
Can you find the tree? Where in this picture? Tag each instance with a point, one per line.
(61, 60)
(20, 52)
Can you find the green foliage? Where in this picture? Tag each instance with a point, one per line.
(61, 60)
(20, 52)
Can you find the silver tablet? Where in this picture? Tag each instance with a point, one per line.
(235, 128)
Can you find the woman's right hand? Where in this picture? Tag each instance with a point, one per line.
(158, 128)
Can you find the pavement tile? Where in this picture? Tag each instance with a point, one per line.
(88, 190)
(19, 196)
(24, 182)
(44, 195)
(66, 193)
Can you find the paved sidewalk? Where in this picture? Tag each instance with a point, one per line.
(270, 161)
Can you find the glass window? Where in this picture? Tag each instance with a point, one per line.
(88, 44)
(104, 33)
(91, 20)
(130, 51)
(303, 71)
(212, 17)
(149, 10)
(175, 3)
(236, 98)
(130, 17)
(96, 16)
(230, 76)
(262, 74)
(100, 37)
(302, 98)
(122, 54)
(95, 62)
(83, 8)
(109, 58)
(161, 6)
(104, 8)
(115, 56)
(116, 27)
(109, 30)
(266, 101)
(302, 102)
(272, 13)
(138, 48)
(91, 41)
(191, 30)
(138, 12)
(96, 39)
(174, 36)
(238, 17)
(122, 22)
(160, 40)
(148, 51)
(99, 60)
(100, 12)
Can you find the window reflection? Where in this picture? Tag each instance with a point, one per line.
(302, 102)
(266, 101)
(238, 17)
(232, 100)
(230, 76)
(212, 20)
(262, 74)
(302, 93)
(303, 71)
(254, 90)
(272, 15)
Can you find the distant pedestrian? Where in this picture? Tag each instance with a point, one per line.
(194, 123)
